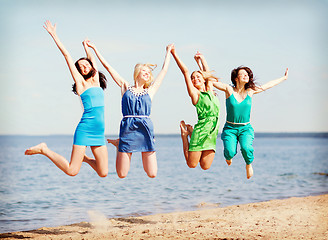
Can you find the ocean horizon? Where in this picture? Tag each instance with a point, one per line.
(257, 134)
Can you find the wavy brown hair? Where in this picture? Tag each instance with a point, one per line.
(251, 83)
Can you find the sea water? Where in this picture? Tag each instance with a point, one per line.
(34, 193)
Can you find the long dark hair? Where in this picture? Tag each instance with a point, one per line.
(251, 83)
(93, 71)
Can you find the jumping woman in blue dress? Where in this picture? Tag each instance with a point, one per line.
(89, 85)
(136, 129)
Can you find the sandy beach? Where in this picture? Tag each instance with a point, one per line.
(293, 218)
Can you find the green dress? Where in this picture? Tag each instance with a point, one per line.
(206, 129)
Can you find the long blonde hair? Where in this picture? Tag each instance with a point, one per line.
(137, 71)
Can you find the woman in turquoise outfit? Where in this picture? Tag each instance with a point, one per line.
(89, 85)
(136, 129)
(202, 145)
(238, 104)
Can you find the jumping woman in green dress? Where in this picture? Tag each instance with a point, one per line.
(202, 145)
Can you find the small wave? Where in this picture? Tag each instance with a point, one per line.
(21, 220)
(207, 205)
(289, 175)
(321, 173)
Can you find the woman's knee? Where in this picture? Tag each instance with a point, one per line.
(152, 174)
(103, 173)
(123, 164)
(192, 164)
(248, 154)
(229, 153)
(207, 159)
(205, 166)
(121, 175)
(72, 172)
(247, 150)
(194, 158)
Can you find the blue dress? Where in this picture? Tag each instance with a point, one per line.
(136, 129)
(91, 129)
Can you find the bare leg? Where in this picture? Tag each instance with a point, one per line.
(229, 162)
(71, 168)
(184, 137)
(190, 129)
(249, 171)
(194, 158)
(123, 161)
(150, 163)
(186, 130)
(100, 163)
(37, 149)
(207, 159)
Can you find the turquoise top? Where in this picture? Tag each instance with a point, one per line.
(238, 112)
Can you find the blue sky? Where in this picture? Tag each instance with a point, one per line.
(36, 95)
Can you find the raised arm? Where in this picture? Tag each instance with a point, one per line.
(89, 54)
(271, 84)
(116, 77)
(192, 91)
(201, 62)
(203, 66)
(74, 72)
(223, 87)
(158, 80)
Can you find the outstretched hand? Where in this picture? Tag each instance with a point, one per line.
(198, 55)
(50, 28)
(87, 43)
(286, 74)
(170, 47)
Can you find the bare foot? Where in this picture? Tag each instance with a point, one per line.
(38, 149)
(86, 158)
(249, 171)
(229, 162)
(190, 129)
(183, 128)
(115, 142)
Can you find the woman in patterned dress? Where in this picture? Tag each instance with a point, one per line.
(136, 129)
